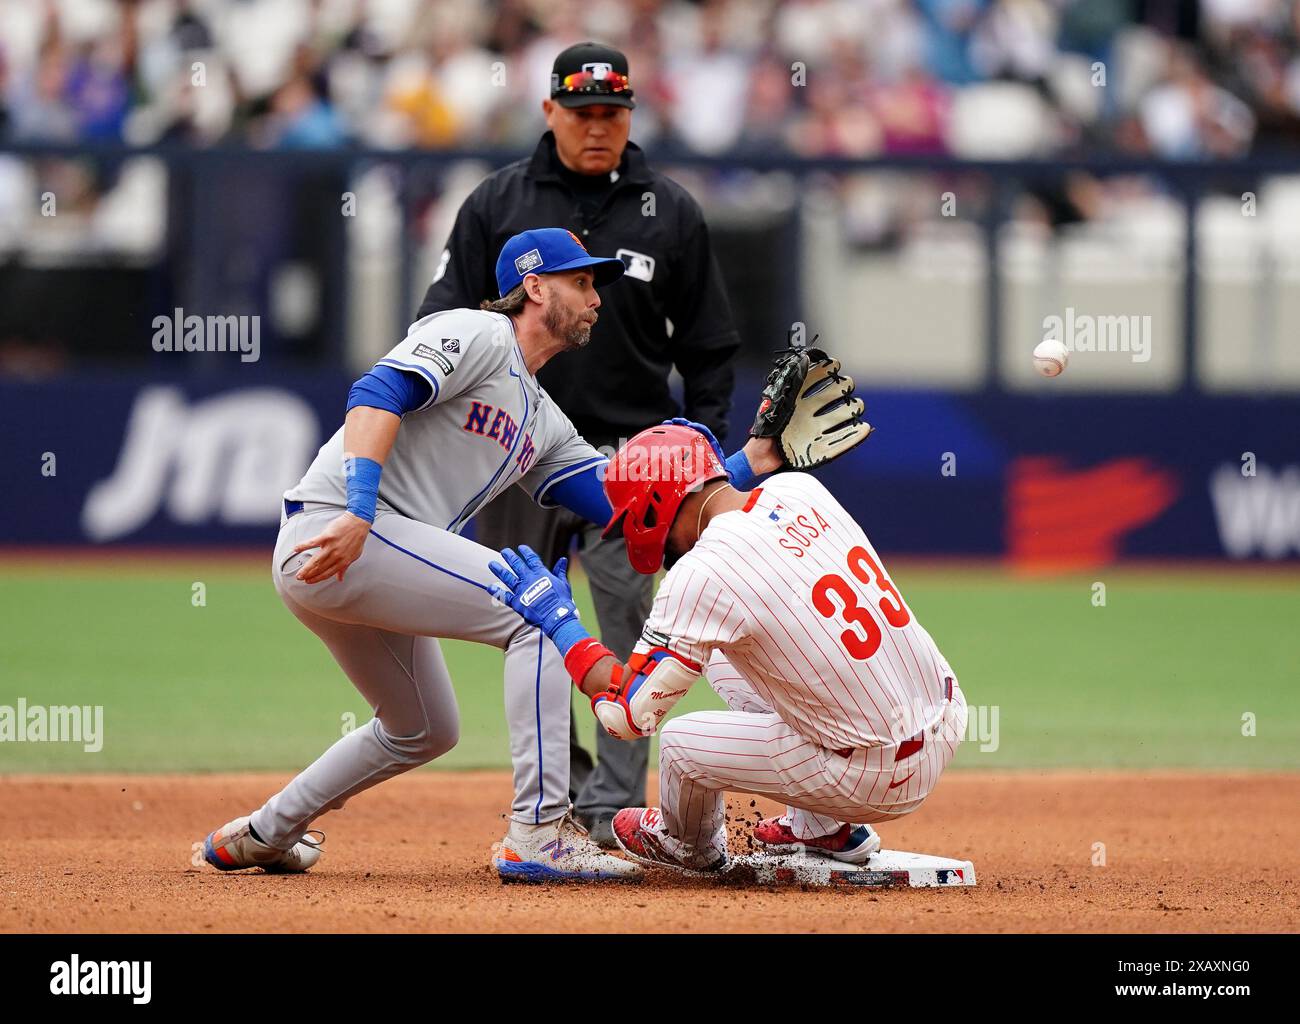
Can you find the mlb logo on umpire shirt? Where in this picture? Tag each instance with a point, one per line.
(528, 261)
(638, 264)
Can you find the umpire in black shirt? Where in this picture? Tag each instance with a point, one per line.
(670, 311)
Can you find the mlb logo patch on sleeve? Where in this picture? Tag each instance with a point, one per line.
(423, 351)
(638, 264)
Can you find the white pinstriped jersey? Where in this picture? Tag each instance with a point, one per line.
(794, 595)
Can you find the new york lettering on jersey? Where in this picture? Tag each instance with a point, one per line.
(487, 425)
(502, 430)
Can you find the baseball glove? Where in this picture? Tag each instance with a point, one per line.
(809, 408)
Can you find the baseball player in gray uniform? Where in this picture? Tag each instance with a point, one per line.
(370, 559)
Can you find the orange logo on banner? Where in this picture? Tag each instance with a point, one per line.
(1059, 518)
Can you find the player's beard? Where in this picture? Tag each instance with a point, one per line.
(574, 329)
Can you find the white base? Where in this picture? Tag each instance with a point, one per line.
(886, 869)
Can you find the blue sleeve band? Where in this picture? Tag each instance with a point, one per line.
(740, 471)
(390, 389)
(363, 486)
(568, 633)
(583, 493)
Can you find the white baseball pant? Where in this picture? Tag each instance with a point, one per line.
(749, 749)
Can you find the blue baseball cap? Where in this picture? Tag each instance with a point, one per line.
(548, 251)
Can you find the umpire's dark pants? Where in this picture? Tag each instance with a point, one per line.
(622, 597)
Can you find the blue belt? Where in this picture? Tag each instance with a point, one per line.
(291, 508)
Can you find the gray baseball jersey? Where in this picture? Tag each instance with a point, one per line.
(487, 425)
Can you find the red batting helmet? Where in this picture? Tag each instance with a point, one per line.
(646, 483)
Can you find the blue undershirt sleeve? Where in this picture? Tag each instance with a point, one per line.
(740, 471)
(582, 493)
(393, 390)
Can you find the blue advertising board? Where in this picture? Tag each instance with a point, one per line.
(1070, 481)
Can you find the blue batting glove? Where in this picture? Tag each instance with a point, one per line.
(682, 421)
(540, 596)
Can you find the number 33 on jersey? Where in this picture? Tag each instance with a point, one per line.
(792, 592)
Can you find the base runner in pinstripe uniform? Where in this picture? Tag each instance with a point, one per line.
(840, 702)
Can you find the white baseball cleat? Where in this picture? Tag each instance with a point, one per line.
(641, 834)
(557, 851)
(233, 848)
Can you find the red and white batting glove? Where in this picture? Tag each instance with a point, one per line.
(650, 684)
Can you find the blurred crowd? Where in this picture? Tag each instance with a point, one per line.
(1175, 79)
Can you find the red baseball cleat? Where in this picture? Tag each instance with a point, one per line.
(852, 844)
(641, 835)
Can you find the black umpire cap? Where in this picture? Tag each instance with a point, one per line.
(589, 73)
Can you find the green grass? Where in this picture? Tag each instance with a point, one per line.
(1158, 678)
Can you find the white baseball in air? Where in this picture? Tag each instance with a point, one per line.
(1051, 358)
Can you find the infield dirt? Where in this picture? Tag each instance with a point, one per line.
(1182, 852)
